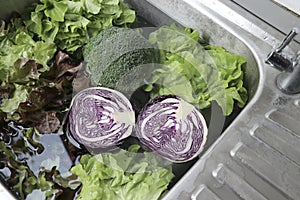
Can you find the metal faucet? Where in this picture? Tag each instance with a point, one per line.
(288, 81)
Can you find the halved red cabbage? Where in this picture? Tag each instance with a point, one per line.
(100, 117)
(172, 128)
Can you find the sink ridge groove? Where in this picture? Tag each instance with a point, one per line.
(263, 166)
(285, 120)
(204, 193)
(239, 186)
(282, 141)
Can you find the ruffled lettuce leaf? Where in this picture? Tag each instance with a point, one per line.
(197, 72)
(22, 61)
(123, 175)
(35, 98)
(70, 24)
(16, 43)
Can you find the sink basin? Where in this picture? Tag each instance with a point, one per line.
(160, 13)
(239, 148)
(255, 156)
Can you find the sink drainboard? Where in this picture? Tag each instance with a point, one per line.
(273, 158)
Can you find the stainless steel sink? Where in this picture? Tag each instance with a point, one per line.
(258, 154)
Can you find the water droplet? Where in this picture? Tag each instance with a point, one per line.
(297, 103)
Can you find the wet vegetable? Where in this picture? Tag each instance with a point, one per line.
(120, 58)
(70, 24)
(173, 128)
(123, 175)
(201, 73)
(100, 117)
(39, 101)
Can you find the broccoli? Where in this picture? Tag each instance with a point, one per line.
(120, 58)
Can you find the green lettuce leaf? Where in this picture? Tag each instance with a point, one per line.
(230, 67)
(92, 6)
(123, 175)
(31, 94)
(17, 44)
(55, 10)
(70, 24)
(10, 105)
(200, 74)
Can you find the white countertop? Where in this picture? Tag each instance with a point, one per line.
(292, 5)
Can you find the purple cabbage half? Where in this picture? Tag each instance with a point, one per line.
(172, 128)
(100, 117)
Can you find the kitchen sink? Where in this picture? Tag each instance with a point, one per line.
(257, 156)
(254, 153)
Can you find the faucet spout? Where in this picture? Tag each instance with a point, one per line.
(287, 39)
(277, 58)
